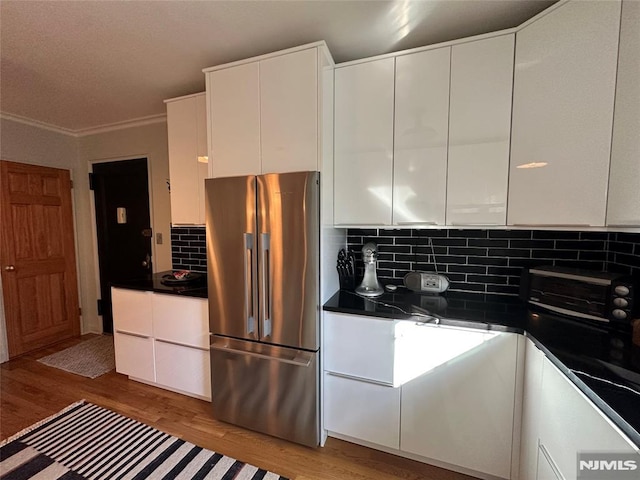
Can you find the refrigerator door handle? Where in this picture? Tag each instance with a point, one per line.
(301, 359)
(248, 282)
(265, 248)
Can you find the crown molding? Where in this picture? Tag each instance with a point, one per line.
(83, 132)
(37, 124)
(136, 122)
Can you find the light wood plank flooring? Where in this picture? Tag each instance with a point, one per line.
(31, 391)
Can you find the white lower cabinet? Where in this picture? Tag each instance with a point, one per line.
(559, 421)
(163, 339)
(132, 333)
(360, 409)
(450, 400)
(570, 423)
(134, 356)
(461, 411)
(182, 368)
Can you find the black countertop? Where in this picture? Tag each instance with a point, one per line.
(603, 363)
(153, 283)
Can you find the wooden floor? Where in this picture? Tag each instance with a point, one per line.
(31, 391)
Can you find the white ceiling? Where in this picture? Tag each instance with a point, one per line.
(77, 65)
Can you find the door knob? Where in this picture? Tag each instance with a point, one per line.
(10, 268)
(146, 263)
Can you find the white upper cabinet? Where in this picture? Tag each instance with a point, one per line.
(565, 74)
(363, 169)
(420, 137)
(289, 112)
(479, 131)
(623, 207)
(187, 136)
(234, 120)
(266, 113)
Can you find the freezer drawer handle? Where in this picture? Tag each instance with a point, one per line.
(248, 282)
(266, 287)
(292, 361)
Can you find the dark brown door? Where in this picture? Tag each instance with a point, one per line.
(39, 279)
(123, 226)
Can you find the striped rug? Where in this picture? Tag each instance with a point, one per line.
(85, 441)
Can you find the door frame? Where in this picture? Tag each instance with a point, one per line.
(94, 227)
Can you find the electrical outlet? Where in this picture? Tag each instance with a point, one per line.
(159, 238)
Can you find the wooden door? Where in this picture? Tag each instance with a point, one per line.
(37, 256)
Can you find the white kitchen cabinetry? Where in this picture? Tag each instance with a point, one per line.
(181, 333)
(421, 129)
(187, 136)
(570, 423)
(531, 412)
(364, 143)
(289, 112)
(234, 120)
(361, 409)
(359, 398)
(460, 411)
(133, 333)
(265, 112)
(479, 131)
(163, 339)
(564, 85)
(434, 393)
(623, 206)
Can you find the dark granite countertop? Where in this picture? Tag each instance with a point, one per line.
(153, 283)
(603, 363)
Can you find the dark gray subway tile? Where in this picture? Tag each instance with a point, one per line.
(489, 242)
(467, 233)
(468, 251)
(509, 252)
(516, 243)
(556, 234)
(466, 269)
(486, 279)
(524, 234)
(580, 245)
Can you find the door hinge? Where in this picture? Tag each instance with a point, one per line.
(79, 311)
(99, 307)
(71, 183)
(91, 184)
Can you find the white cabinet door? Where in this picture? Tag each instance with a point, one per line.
(132, 311)
(565, 73)
(134, 355)
(461, 412)
(234, 114)
(479, 131)
(187, 136)
(202, 165)
(186, 369)
(183, 160)
(623, 206)
(364, 143)
(289, 112)
(570, 423)
(133, 331)
(362, 410)
(531, 413)
(183, 320)
(359, 346)
(420, 137)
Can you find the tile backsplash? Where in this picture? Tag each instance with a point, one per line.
(491, 261)
(189, 248)
(487, 261)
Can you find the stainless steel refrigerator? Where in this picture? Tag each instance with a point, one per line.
(264, 290)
